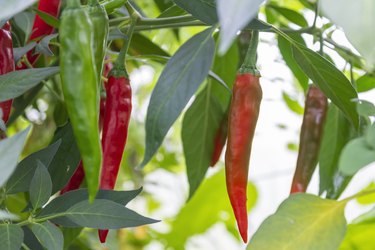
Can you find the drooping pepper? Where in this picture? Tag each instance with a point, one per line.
(310, 137)
(6, 64)
(116, 118)
(220, 139)
(81, 89)
(243, 116)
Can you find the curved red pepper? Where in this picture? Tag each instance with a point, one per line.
(6, 64)
(311, 133)
(243, 116)
(115, 132)
(220, 139)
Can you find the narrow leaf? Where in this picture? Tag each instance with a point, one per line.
(293, 104)
(49, 235)
(204, 10)
(181, 77)
(10, 151)
(21, 178)
(96, 215)
(201, 121)
(19, 52)
(302, 221)
(40, 186)
(11, 237)
(48, 19)
(233, 16)
(330, 80)
(16, 83)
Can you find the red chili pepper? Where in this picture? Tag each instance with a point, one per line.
(40, 27)
(6, 64)
(243, 116)
(311, 133)
(220, 139)
(115, 130)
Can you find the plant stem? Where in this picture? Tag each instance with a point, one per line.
(249, 63)
(155, 21)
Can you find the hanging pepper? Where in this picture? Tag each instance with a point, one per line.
(78, 175)
(99, 19)
(81, 89)
(116, 118)
(6, 64)
(311, 133)
(243, 116)
(220, 139)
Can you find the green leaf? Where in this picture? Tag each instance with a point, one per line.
(233, 16)
(10, 151)
(20, 51)
(356, 155)
(293, 104)
(10, 8)
(204, 10)
(48, 19)
(30, 239)
(201, 121)
(21, 178)
(96, 215)
(286, 51)
(40, 186)
(359, 237)
(293, 16)
(144, 46)
(337, 132)
(11, 237)
(49, 235)
(330, 80)
(302, 221)
(365, 83)
(209, 205)
(365, 108)
(62, 203)
(65, 161)
(16, 83)
(181, 77)
(70, 235)
(43, 46)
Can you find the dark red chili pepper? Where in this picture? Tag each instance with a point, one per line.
(310, 137)
(242, 120)
(220, 139)
(6, 64)
(117, 117)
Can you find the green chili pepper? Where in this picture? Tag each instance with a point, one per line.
(80, 88)
(99, 19)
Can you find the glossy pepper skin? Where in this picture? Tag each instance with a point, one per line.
(243, 116)
(6, 64)
(81, 89)
(220, 139)
(115, 130)
(310, 137)
(99, 19)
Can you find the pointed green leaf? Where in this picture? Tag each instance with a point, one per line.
(40, 186)
(181, 77)
(49, 235)
(330, 80)
(11, 237)
(204, 10)
(201, 121)
(21, 178)
(97, 215)
(10, 150)
(365, 83)
(292, 15)
(292, 104)
(303, 222)
(16, 83)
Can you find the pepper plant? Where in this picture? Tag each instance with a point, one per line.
(81, 137)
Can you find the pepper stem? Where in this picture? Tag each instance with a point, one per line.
(119, 65)
(249, 63)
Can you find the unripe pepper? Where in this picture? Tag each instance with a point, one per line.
(117, 117)
(243, 117)
(6, 64)
(310, 137)
(81, 89)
